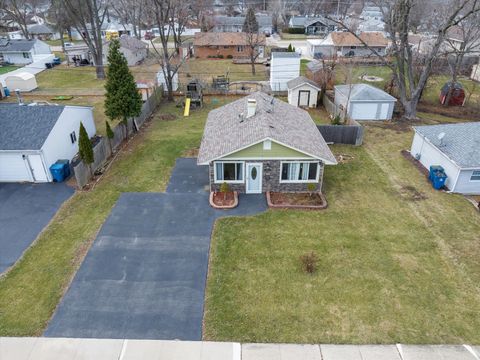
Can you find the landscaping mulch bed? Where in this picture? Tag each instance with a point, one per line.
(219, 200)
(406, 154)
(300, 200)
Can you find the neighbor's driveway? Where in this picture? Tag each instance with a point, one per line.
(144, 277)
(25, 209)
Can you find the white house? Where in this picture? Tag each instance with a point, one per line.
(346, 44)
(455, 147)
(475, 72)
(313, 25)
(223, 23)
(364, 102)
(302, 92)
(284, 66)
(22, 81)
(34, 137)
(22, 52)
(321, 48)
(134, 50)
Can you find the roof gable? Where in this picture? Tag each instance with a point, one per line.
(364, 92)
(301, 80)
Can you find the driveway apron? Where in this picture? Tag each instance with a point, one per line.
(144, 276)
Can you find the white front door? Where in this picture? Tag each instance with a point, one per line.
(254, 178)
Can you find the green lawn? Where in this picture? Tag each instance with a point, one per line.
(391, 268)
(6, 69)
(31, 291)
(287, 36)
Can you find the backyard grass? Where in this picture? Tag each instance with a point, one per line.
(391, 268)
(287, 36)
(70, 80)
(6, 69)
(30, 292)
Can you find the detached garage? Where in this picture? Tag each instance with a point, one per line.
(364, 102)
(33, 137)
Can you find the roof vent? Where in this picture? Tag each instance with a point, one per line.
(251, 107)
(440, 137)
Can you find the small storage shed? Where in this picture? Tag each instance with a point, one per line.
(364, 102)
(458, 94)
(284, 66)
(456, 148)
(34, 137)
(22, 81)
(302, 92)
(163, 82)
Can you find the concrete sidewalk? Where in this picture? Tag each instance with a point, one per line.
(113, 349)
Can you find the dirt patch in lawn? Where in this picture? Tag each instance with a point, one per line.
(297, 199)
(457, 112)
(167, 117)
(411, 193)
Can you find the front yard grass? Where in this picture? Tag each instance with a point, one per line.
(391, 268)
(30, 292)
(8, 68)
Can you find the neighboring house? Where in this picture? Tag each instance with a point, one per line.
(475, 72)
(226, 45)
(259, 143)
(346, 44)
(222, 23)
(364, 102)
(22, 52)
(22, 81)
(78, 53)
(302, 92)
(134, 50)
(321, 48)
(455, 147)
(371, 24)
(371, 11)
(34, 137)
(284, 66)
(43, 32)
(312, 25)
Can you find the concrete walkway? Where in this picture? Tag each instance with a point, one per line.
(144, 276)
(118, 349)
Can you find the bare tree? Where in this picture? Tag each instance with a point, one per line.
(130, 12)
(87, 17)
(397, 15)
(19, 11)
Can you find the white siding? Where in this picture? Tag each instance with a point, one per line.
(283, 70)
(466, 186)
(41, 48)
(371, 110)
(18, 58)
(293, 95)
(58, 144)
(430, 155)
(13, 167)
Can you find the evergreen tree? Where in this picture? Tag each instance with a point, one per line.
(122, 99)
(85, 148)
(290, 48)
(110, 134)
(250, 25)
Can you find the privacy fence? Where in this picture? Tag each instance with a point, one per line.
(351, 134)
(103, 148)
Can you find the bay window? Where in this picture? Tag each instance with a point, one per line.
(228, 171)
(296, 171)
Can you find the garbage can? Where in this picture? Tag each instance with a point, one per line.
(433, 170)
(57, 172)
(56, 61)
(439, 180)
(65, 167)
(48, 65)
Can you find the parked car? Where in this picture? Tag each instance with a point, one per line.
(149, 35)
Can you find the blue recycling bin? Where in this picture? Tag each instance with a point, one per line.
(434, 169)
(439, 180)
(66, 167)
(57, 172)
(7, 91)
(56, 61)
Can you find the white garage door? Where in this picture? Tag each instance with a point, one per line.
(364, 111)
(13, 168)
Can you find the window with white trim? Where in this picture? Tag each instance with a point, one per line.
(299, 172)
(229, 171)
(475, 175)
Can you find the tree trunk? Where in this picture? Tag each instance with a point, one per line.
(100, 71)
(410, 109)
(253, 66)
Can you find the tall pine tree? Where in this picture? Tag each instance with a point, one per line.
(85, 148)
(122, 99)
(250, 25)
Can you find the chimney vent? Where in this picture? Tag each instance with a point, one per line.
(251, 107)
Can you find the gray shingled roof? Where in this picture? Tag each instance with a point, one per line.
(364, 92)
(40, 29)
(461, 142)
(26, 127)
(298, 21)
(263, 21)
(17, 46)
(226, 133)
(292, 84)
(285, 54)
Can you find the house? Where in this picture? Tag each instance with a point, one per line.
(34, 137)
(284, 66)
(312, 25)
(134, 50)
(303, 92)
(226, 45)
(43, 32)
(259, 143)
(455, 147)
(364, 102)
(222, 23)
(321, 48)
(475, 72)
(346, 44)
(78, 54)
(22, 81)
(23, 52)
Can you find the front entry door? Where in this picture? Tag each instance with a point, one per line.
(303, 98)
(254, 178)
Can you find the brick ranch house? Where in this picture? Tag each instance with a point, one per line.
(228, 45)
(259, 143)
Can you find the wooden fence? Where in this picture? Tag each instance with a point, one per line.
(103, 148)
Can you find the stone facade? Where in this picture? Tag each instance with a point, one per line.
(270, 179)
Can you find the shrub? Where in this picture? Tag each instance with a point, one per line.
(229, 56)
(224, 188)
(294, 30)
(309, 262)
(336, 120)
(220, 56)
(311, 187)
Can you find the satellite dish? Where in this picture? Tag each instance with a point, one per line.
(441, 136)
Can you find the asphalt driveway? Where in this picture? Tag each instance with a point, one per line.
(144, 277)
(25, 209)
